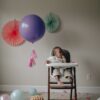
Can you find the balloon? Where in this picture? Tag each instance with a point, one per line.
(17, 95)
(32, 91)
(32, 28)
(5, 97)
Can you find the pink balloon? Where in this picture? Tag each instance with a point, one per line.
(5, 97)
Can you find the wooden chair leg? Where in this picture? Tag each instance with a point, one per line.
(75, 94)
(71, 94)
(48, 93)
(75, 83)
(48, 83)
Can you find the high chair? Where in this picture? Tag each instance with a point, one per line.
(67, 85)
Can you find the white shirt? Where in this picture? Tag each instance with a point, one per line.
(54, 59)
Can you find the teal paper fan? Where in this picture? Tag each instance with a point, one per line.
(52, 22)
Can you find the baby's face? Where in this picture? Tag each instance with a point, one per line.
(57, 53)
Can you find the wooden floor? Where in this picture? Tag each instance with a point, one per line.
(62, 96)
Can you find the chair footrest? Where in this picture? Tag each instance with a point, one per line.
(63, 82)
(56, 86)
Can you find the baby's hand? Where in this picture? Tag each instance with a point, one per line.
(48, 62)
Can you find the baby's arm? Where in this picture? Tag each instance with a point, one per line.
(48, 60)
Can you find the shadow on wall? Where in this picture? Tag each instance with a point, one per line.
(71, 38)
(1, 4)
(93, 67)
(65, 38)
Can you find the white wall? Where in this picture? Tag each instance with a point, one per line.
(79, 33)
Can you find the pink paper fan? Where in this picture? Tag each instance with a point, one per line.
(11, 33)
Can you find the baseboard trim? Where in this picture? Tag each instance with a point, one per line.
(89, 89)
(45, 89)
(22, 87)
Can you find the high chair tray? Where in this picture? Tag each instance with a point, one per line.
(62, 64)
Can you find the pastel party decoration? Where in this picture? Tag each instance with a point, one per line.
(37, 97)
(32, 58)
(33, 91)
(52, 22)
(5, 97)
(32, 28)
(17, 95)
(11, 34)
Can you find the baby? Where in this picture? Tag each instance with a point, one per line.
(58, 72)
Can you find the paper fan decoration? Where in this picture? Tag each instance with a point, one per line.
(11, 33)
(52, 22)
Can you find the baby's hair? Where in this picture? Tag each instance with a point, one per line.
(57, 47)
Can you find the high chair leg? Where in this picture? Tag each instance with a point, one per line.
(71, 94)
(75, 84)
(48, 83)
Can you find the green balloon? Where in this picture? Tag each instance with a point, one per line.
(33, 91)
(17, 95)
(52, 22)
